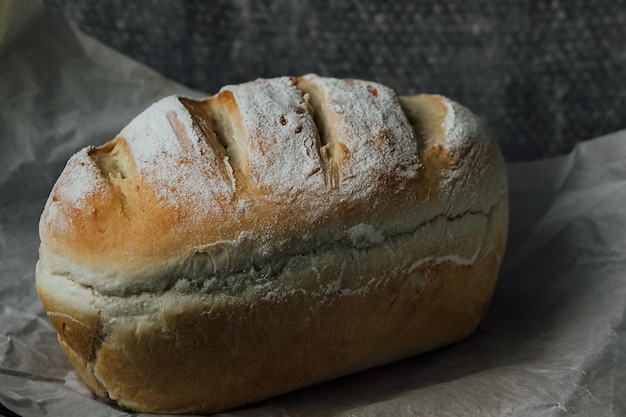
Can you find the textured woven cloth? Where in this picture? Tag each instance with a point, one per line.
(545, 74)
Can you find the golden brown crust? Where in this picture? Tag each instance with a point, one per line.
(221, 251)
(84, 369)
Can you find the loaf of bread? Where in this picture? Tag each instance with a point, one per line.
(280, 233)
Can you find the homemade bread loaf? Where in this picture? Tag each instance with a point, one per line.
(278, 234)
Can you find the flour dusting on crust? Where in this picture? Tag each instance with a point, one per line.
(81, 180)
(460, 125)
(172, 155)
(369, 125)
(279, 136)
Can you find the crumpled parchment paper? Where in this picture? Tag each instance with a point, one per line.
(552, 344)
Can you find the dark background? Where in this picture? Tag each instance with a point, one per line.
(544, 74)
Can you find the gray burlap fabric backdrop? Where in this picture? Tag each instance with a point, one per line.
(545, 74)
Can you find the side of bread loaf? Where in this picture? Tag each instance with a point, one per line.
(278, 234)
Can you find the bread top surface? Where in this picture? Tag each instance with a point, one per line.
(273, 165)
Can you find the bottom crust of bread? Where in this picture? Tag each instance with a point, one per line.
(183, 354)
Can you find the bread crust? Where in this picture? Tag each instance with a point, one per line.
(278, 234)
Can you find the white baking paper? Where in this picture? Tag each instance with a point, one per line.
(552, 344)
